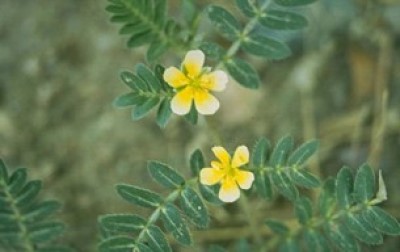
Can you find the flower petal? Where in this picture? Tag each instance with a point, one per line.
(244, 179)
(206, 104)
(210, 176)
(216, 165)
(241, 156)
(215, 81)
(229, 191)
(222, 155)
(193, 62)
(175, 78)
(182, 101)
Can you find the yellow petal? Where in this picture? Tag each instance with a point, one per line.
(229, 191)
(215, 81)
(210, 176)
(216, 165)
(244, 179)
(193, 62)
(222, 155)
(175, 78)
(241, 156)
(182, 101)
(206, 104)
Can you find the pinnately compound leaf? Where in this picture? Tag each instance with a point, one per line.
(283, 20)
(362, 229)
(342, 239)
(364, 184)
(303, 153)
(17, 181)
(129, 99)
(382, 221)
(194, 208)
(247, 7)
(148, 76)
(327, 199)
(263, 184)
(293, 2)
(344, 188)
(41, 210)
(210, 194)
(315, 241)
(46, 231)
(157, 240)
(281, 151)
(117, 244)
(303, 210)
(224, 22)
(212, 50)
(28, 193)
(124, 223)
(139, 196)
(165, 175)
(3, 172)
(173, 222)
(243, 73)
(262, 46)
(142, 110)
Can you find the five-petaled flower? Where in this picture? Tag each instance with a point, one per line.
(226, 172)
(194, 83)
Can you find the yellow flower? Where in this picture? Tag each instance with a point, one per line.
(227, 173)
(194, 83)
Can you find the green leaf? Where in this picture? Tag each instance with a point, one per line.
(327, 199)
(148, 76)
(210, 194)
(364, 184)
(54, 249)
(283, 20)
(189, 12)
(43, 232)
(341, 238)
(303, 210)
(125, 223)
(156, 239)
(41, 211)
(277, 227)
(224, 22)
(304, 178)
(164, 113)
(117, 244)
(247, 7)
(156, 49)
(263, 184)
(293, 2)
(194, 208)
(143, 109)
(315, 241)
(243, 73)
(165, 175)
(140, 39)
(129, 99)
(192, 116)
(289, 245)
(3, 173)
(242, 245)
(284, 185)
(143, 248)
(129, 79)
(262, 46)
(196, 162)
(174, 223)
(344, 188)
(303, 153)
(139, 196)
(212, 50)
(160, 12)
(362, 230)
(28, 193)
(17, 181)
(382, 221)
(259, 153)
(281, 151)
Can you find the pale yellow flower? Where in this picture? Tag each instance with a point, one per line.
(226, 172)
(193, 83)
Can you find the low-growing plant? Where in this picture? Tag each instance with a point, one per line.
(337, 213)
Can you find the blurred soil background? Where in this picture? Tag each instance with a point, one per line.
(59, 65)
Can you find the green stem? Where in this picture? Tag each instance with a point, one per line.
(246, 30)
(24, 235)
